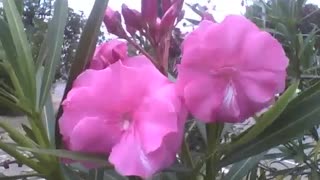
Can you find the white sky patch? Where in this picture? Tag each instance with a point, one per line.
(222, 7)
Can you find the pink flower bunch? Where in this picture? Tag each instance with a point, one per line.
(125, 108)
(129, 111)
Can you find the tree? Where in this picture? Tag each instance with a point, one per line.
(35, 15)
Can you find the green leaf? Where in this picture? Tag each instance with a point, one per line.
(24, 176)
(19, 4)
(113, 175)
(29, 132)
(85, 49)
(96, 174)
(24, 54)
(6, 38)
(16, 135)
(12, 151)
(193, 21)
(49, 120)
(268, 117)
(242, 168)
(54, 43)
(294, 121)
(77, 156)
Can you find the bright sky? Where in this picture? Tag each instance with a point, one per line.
(223, 7)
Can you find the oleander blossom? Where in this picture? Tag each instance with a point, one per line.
(230, 70)
(108, 53)
(129, 111)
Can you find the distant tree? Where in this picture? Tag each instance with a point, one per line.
(36, 14)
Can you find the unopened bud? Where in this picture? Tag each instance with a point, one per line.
(169, 18)
(112, 20)
(132, 18)
(149, 10)
(166, 4)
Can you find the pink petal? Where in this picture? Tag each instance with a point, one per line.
(95, 134)
(157, 117)
(202, 93)
(268, 53)
(108, 53)
(129, 159)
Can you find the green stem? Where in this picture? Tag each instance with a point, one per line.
(186, 154)
(213, 135)
(56, 175)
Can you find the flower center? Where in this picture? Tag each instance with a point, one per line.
(227, 71)
(229, 95)
(125, 124)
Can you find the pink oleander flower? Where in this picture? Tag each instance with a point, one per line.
(230, 70)
(108, 53)
(129, 111)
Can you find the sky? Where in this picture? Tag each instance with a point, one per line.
(223, 7)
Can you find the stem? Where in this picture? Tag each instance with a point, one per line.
(134, 178)
(56, 175)
(185, 154)
(139, 48)
(213, 135)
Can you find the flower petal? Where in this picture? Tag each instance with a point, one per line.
(157, 117)
(94, 134)
(129, 159)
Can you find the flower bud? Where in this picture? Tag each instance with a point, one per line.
(149, 10)
(166, 5)
(132, 18)
(112, 20)
(169, 18)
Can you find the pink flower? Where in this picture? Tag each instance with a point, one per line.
(108, 53)
(230, 71)
(129, 110)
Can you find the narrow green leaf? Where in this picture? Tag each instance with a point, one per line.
(24, 54)
(16, 135)
(193, 21)
(305, 95)
(19, 4)
(96, 174)
(85, 50)
(9, 48)
(55, 37)
(68, 173)
(113, 175)
(293, 122)
(29, 132)
(12, 151)
(242, 168)
(77, 156)
(49, 120)
(23, 176)
(268, 117)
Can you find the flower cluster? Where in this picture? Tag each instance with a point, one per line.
(126, 108)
